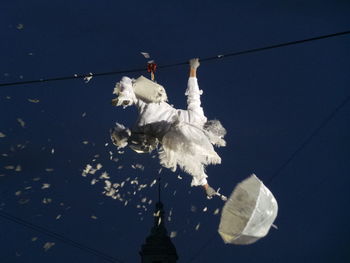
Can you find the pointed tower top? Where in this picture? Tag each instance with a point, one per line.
(158, 246)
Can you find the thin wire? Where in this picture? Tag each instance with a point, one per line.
(294, 154)
(59, 237)
(291, 158)
(202, 248)
(81, 76)
(309, 139)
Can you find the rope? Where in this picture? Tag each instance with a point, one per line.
(247, 51)
(58, 237)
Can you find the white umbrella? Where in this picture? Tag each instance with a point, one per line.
(248, 214)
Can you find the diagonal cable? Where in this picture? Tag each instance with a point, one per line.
(291, 158)
(242, 52)
(59, 237)
(309, 139)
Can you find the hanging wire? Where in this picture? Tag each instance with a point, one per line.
(59, 237)
(280, 169)
(242, 52)
(309, 139)
(294, 154)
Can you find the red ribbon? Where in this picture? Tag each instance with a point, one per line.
(152, 67)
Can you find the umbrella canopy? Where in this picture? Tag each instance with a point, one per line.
(248, 214)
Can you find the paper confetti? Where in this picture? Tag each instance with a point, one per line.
(21, 122)
(2, 135)
(34, 100)
(48, 245)
(47, 200)
(88, 78)
(145, 54)
(45, 186)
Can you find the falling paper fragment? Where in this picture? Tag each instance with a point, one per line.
(49, 169)
(47, 200)
(2, 135)
(145, 54)
(88, 78)
(153, 183)
(94, 217)
(205, 209)
(20, 26)
(173, 234)
(216, 211)
(21, 122)
(93, 181)
(85, 142)
(197, 226)
(48, 245)
(34, 100)
(18, 168)
(9, 167)
(58, 217)
(34, 239)
(45, 186)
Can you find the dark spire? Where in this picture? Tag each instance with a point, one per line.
(158, 246)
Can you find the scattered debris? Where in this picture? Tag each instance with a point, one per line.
(21, 122)
(47, 200)
(45, 186)
(145, 54)
(34, 100)
(48, 245)
(88, 77)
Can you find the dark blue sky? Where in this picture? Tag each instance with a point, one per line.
(269, 102)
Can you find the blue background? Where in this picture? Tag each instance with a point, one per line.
(270, 102)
